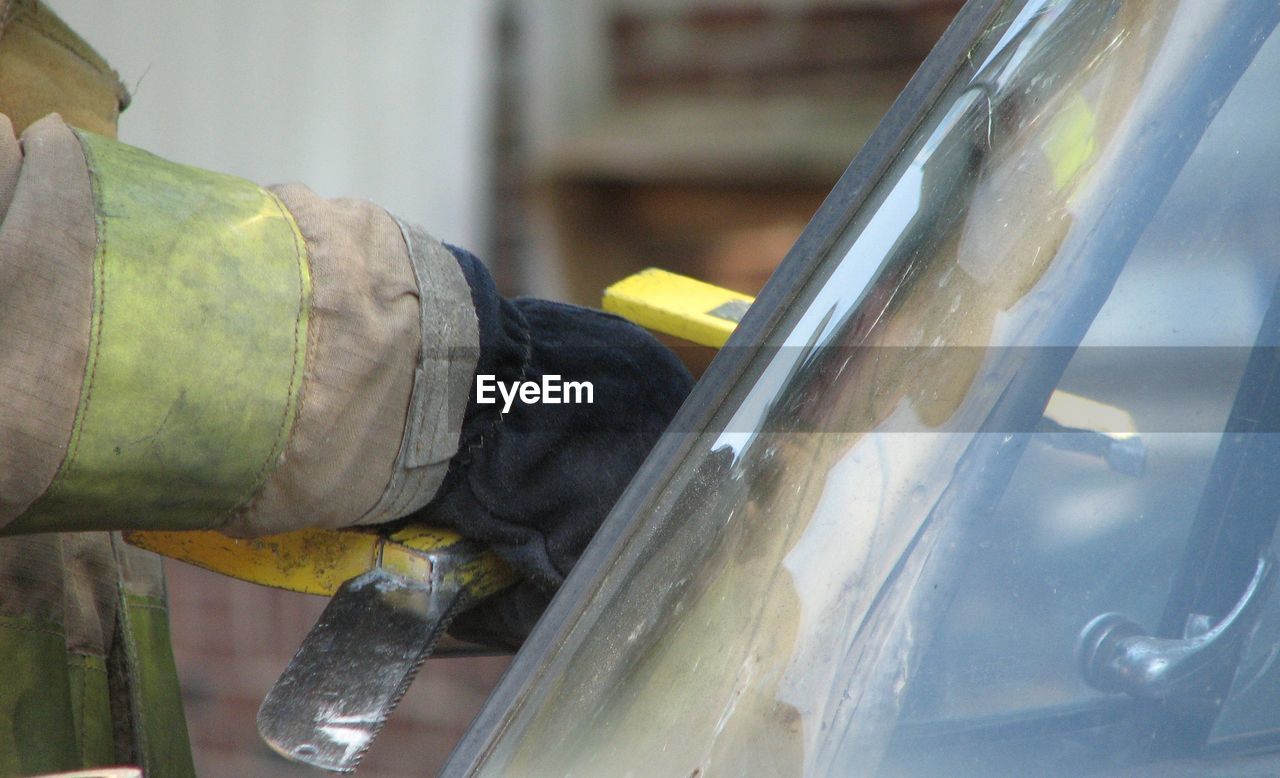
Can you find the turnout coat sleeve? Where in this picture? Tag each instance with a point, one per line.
(181, 349)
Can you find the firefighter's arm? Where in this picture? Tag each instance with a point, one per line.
(185, 350)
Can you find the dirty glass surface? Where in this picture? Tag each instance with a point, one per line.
(995, 413)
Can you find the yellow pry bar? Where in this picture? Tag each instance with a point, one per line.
(678, 305)
(318, 561)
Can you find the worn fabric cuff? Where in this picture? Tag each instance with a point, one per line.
(47, 245)
(447, 362)
(389, 364)
(361, 353)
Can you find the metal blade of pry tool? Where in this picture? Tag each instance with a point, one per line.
(354, 666)
(359, 659)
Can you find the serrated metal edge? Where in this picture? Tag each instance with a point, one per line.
(410, 675)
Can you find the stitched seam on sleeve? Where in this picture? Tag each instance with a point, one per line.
(293, 402)
(95, 320)
(27, 628)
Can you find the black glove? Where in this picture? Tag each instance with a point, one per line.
(536, 482)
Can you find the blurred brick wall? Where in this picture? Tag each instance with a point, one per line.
(824, 48)
(232, 639)
(725, 125)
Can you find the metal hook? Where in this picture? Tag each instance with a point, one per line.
(1116, 654)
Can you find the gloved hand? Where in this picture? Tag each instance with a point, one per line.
(536, 482)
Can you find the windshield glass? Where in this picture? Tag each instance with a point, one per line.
(1029, 384)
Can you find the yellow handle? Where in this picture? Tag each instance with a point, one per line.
(677, 305)
(318, 561)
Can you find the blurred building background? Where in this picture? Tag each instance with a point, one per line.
(698, 135)
(567, 142)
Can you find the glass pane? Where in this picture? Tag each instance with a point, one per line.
(990, 417)
(1092, 523)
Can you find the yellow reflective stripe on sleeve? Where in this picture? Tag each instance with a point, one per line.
(199, 331)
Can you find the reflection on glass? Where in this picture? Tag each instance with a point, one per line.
(994, 413)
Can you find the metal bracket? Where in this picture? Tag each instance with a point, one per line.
(1115, 654)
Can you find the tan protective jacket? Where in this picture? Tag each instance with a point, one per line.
(181, 349)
